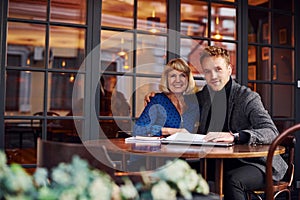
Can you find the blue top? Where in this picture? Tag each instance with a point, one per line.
(161, 112)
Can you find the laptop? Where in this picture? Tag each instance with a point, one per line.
(192, 139)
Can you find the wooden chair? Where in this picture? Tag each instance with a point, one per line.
(37, 124)
(51, 153)
(274, 188)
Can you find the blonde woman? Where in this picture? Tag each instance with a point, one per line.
(173, 109)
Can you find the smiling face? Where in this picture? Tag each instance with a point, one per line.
(177, 81)
(216, 72)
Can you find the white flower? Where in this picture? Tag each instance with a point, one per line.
(100, 187)
(128, 191)
(41, 177)
(17, 180)
(68, 194)
(191, 178)
(203, 186)
(173, 171)
(162, 191)
(116, 191)
(61, 175)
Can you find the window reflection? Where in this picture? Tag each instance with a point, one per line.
(27, 41)
(24, 94)
(68, 11)
(116, 51)
(67, 45)
(283, 65)
(194, 16)
(152, 16)
(223, 22)
(151, 53)
(28, 9)
(283, 95)
(117, 14)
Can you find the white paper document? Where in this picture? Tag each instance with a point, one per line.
(146, 139)
(192, 139)
(186, 137)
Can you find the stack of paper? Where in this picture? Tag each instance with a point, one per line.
(140, 139)
(185, 137)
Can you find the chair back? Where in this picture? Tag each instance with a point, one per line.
(51, 153)
(269, 190)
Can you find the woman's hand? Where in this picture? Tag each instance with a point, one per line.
(219, 137)
(171, 131)
(148, 96)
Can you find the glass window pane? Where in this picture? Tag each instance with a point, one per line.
(284, 5)
(262, 3)
(116, 51)
(252, 54)
(283, 95)
(28, 9)
(25, 92)
(111, 128)
(151, 53)
(20, 141)
(117, 14)
(283, 30)
(115, 94)
(152, 16)
(283, 124)
(68, 11)
(67, 47)
(252, 76)
(144, 86)
(283, 67)
(264, 90)
(26, 41)
(223, 22)
(61, 88)
(258, 26)
(263, 69)
(64, 130)
(190, 50)
(194, 15)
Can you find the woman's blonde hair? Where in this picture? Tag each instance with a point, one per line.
(180, 65)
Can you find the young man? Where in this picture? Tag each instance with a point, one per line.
(231, 112)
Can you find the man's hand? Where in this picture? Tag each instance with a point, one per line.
(219, 137)
(148, 96)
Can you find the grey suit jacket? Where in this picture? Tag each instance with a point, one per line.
(246, 114)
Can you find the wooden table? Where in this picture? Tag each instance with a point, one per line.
(188, 152)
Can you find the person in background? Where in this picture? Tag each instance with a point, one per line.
(113, 103)
(231, 112)
(172, 110)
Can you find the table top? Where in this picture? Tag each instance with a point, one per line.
(185, 151)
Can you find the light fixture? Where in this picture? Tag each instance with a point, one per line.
(122, 52)
(152, 21)
(63, 63)
(217, 36)
(28, 62)
(71, 79)
(126, 66)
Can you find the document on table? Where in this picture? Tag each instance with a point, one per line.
(184, 136)
(192, 139)
(142, 139)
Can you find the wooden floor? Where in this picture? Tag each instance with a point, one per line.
(22, 156)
